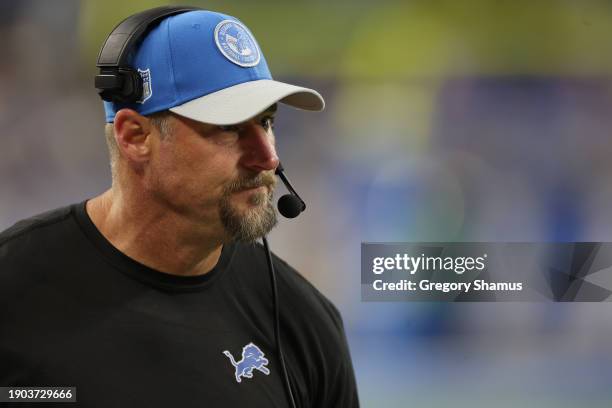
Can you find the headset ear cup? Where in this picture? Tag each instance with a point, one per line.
(109, 84)
(120, 86)
(136, 93)
(132, 86)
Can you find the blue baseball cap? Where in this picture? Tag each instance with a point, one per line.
(208, 67)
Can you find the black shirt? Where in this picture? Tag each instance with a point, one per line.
(75, 311)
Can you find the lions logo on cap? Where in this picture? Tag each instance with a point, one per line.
(236, 43)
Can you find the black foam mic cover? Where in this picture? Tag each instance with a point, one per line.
(290, 206)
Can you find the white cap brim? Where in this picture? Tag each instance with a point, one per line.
(241, 102)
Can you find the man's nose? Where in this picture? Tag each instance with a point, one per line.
(259, 151)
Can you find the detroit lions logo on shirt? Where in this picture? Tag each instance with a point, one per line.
(236, 43)
(252, 359)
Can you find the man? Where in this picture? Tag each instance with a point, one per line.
(155, 293)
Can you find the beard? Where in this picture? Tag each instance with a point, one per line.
(252, 223)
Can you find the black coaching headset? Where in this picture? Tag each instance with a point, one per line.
(121, 83)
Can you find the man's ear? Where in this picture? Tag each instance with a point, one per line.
(133, 135)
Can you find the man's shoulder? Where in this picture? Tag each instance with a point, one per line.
(33, 227)
(29, 248)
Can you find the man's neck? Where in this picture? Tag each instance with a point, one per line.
(153, 236)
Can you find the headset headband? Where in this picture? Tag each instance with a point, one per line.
(117, 81)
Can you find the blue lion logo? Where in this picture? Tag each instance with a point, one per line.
(252, 359)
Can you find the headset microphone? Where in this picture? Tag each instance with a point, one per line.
(289, 205)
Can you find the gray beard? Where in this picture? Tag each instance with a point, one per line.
(254, 223)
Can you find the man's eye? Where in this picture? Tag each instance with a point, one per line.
(267, 123)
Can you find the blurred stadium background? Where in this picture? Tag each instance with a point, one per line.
(467, 120)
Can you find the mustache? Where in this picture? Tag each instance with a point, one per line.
(267, 179)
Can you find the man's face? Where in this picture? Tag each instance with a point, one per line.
(221, 177)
